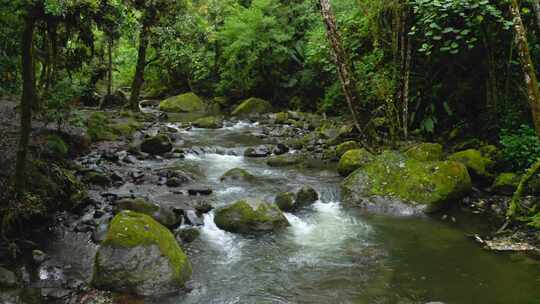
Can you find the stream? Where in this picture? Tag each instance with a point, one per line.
(330, 253)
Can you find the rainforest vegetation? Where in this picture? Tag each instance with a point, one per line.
(434, 102)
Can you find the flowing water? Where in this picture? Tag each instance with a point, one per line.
(334, 254)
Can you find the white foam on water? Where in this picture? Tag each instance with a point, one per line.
(220, 240)
(230, 190)
(241, 125)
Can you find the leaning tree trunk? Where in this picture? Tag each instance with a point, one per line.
(138, 79)
(27, 101)
(533, 91)
(341, 60)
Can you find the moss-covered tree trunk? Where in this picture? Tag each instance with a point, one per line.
(138, 79)
(27, 101)
(531, 81)
(341, 60)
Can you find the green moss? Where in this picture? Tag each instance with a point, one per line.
(238, 174)
(246, 216)
(346, 146)
(285, 201)
(425, 152)
(352, 160)
(281, 118)
(98, 127)
(506, 183)
(188, 102)
(252, 106)
(97, 178)
(535, 221)
(126, 128)
(475, 162)
(209, 122)
(130, 229)
(433, 183)
(56, 146)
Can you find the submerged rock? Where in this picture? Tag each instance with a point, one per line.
(237, 175)
(425, 152)
(188, 102)
(209, 122)
(259, 151)
(161, 214)
(140, 256)
(158, 144)
(284, 160)
(188, 234)
(250, 216)
(427, 185)
(352, 160)
(252, 106)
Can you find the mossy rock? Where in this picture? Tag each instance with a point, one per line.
(252, 106)
(346, 146)
(184, 103)
(56, 147)
(285, 201)
(284, 160)
(426, 152)
(430, 185)
(476, 163)
(188, 234)
(158, 144)
(97, 178)
(506, 183)
(281, 118)
(126, 128)
(305, 197)
(352, 160)
(250, 216)
(209, 122)
(161, 214)
(237, 175)
(140, 256)
(98, 127)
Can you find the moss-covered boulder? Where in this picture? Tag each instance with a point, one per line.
(209, 122)
(56, 147)
(183, 103)
(506, 183)
(140, 256)
(352, 160)
(305, 196)
(250, 216)
(428, 185)
(284, 160)
(163, 215)
(252, 106)
(158, 144)
(477, 164)
(285, 201)
(237, 175)
(425, 152)
(346, 146)
(97, 178)
(281, 118)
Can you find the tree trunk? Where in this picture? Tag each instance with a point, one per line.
(109, 79)
(533, 91)
(138, 79)
(406, 83)
(536, 7)
(27, 100)
(341, 60)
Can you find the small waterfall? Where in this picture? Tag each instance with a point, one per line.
(220, 240)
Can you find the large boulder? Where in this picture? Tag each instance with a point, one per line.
(429, 186)
(250, 216)
(477, 164)
(346, 146)
(285, 201)
(352, 160)
(425, 152)
(163, 215)
(140, 256)
(209, 122)
(159, 144)
(252, 106)
(184, 103)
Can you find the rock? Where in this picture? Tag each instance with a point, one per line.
(158, 144)
(430, 186)
(97, 178)
(252, 106)
(284, 160)
(237, 175)
(188, 102)
(425, 152)
(192, 218)
(475, 162)
(38, 256)
(200, 191)
(174, 182)
(209, 122)
(306, 196)
(7, 279)
(259, 151)
(56, 147)
(139, 256)
(346, 146)
(280, 149)
(506, 183)
(281, 118)
(117, 99)
(250, 216)
(285, 201)
(188, 234)
(352, 160)
(163, 215)
(203, 207)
